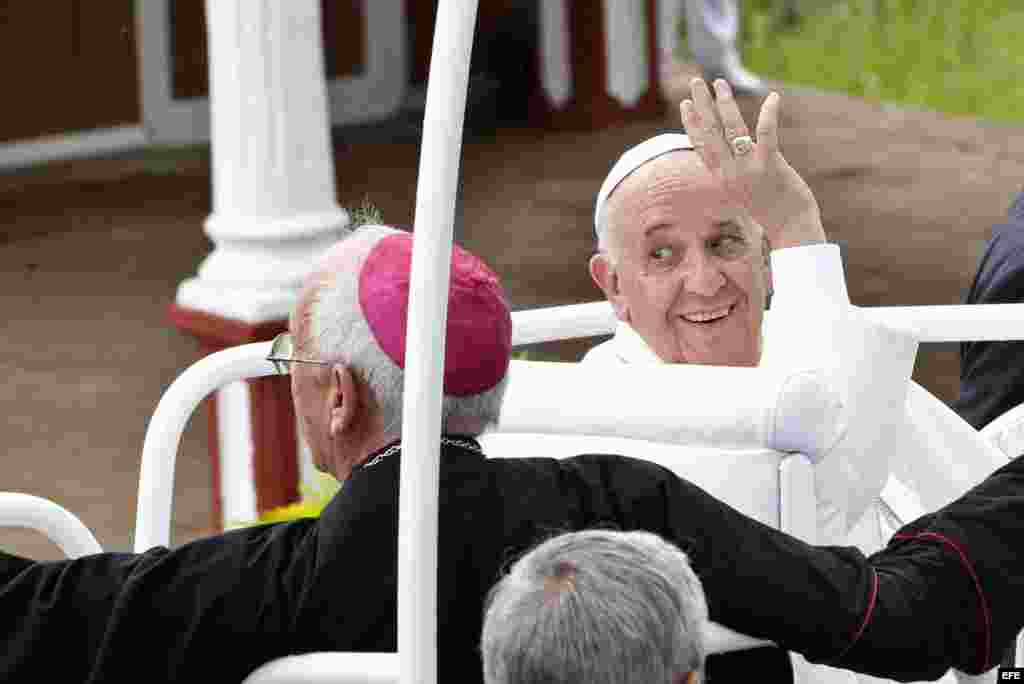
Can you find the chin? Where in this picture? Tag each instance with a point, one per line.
(718, 357)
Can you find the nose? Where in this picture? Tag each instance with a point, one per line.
(702, 274)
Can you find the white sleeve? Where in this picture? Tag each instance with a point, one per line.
(799, 272)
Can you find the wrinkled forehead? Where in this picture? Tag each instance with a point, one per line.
(683, 165)
(675, 184)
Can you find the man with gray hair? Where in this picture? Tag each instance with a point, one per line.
(218, 608)
(596, 607)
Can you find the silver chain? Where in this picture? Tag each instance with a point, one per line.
(390, 451)
(395, 448)
(462, 444)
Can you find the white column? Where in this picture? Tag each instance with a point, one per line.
(274, 205)
(555, 57)
(625, 27)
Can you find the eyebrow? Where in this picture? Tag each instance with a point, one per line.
(656, 227)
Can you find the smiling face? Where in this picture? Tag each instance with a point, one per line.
(685, 266)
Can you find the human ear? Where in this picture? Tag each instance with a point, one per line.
(343, 400)
(603, 273)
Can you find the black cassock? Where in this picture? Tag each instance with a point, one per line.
(222, 606)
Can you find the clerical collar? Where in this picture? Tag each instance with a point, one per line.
(464, 442)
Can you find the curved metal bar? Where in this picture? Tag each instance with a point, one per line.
(329, 668)
(425, 337)
(955, 323)
(936, 323)
(163, 434)
(60, 525)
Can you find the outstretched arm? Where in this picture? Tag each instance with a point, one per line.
(216, 608)
(944, 593)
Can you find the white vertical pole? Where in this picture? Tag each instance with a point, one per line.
(424, 361)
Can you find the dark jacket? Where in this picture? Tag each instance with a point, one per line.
(992, 373)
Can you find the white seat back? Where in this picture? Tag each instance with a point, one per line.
(561, 410)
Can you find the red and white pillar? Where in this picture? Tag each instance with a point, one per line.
(599, 62)
(274, 211)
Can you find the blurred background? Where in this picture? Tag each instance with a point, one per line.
(960, 57)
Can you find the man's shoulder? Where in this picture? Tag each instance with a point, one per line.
(1008, 235)
(586, 490)
(999, 275)
(598, 469)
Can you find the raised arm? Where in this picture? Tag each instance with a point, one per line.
(754, 172)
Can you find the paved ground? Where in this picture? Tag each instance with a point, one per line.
(92, 252)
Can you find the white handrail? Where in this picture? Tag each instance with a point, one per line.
(59, 525)
(163, 434)
(328, 668)
(551, 323)
(437, 181)
(937, 323)
(956, 323)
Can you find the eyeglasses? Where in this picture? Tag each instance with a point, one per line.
(282, 351)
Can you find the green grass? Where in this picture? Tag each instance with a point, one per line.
(956, 56)
(312, 504)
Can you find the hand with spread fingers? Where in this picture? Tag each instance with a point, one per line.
(753, 172)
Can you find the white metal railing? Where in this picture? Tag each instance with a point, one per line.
(58, 524)
(163, 434)
(328, 668)
(437, 182)
(945, 323)
(153, 517)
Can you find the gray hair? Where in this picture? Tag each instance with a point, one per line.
(598, 606)
(339, 332)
